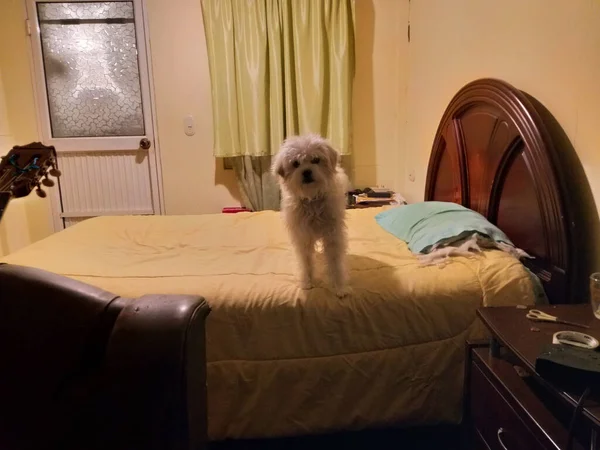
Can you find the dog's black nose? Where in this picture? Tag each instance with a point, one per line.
(307, 176)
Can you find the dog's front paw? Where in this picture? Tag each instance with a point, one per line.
(343, 291)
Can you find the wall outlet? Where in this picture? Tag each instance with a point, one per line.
(411, 175)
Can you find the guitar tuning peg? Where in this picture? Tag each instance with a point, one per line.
(53, 170)
(40, 192)
(47, 182)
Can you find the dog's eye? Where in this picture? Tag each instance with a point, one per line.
(315, 160)
(296, 164)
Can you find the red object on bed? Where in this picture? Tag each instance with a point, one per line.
(235, 209)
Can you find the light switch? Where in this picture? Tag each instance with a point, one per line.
(188, 125)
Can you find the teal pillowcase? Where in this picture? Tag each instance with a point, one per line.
(422, 225)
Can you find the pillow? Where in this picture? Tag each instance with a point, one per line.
(427, 225)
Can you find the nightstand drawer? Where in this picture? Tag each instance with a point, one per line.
(495, 420)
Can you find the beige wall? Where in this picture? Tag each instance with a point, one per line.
(14, 231)
(193, 181)
(26, 220)
(379, 106)
(548, 48)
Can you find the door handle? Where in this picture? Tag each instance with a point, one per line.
(145, 143)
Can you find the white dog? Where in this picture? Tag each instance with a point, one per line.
(313, 205)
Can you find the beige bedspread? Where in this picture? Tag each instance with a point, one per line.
(284, 361)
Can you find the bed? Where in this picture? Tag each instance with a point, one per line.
(282, 361)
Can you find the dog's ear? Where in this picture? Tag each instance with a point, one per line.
(332, 155)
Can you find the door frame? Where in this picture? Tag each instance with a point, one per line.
(65, 145)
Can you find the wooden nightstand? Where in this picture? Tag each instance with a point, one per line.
(507, 405)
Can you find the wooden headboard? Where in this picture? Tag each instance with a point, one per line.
(495, 154)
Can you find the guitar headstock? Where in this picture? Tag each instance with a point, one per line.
(26, 168)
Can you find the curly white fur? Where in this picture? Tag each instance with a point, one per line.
(313, 206)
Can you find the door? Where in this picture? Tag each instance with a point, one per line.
(93, 98)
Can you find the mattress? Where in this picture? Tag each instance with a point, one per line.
(283, 361)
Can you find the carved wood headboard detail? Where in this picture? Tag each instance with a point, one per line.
(494, 153)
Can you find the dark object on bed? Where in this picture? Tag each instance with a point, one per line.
(81, 368)
(498, 152)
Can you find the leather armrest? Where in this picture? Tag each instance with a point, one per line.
(46, 325)
(155, 375)
(81, 368)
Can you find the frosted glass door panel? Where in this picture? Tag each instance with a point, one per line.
(92, 78)
(91, 69)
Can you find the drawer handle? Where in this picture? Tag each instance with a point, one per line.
(500, 433)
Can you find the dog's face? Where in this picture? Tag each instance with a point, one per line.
(306, 165)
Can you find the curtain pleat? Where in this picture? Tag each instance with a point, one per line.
(279, 68)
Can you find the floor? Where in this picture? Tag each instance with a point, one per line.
(429, 438)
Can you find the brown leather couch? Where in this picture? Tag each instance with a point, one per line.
(81, 368)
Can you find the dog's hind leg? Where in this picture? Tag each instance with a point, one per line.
(334, 248)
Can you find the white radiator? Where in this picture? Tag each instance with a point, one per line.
(70, 221)
(104, 183)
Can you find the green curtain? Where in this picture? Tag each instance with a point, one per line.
(279, 68)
